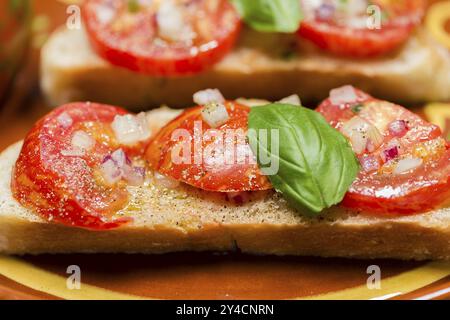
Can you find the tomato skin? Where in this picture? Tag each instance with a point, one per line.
(363, 43)
(235, 177)
(60, 188)
(423, 189)
(420, 200)
(175, 62)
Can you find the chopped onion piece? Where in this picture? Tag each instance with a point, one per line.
(120, 158)
(398, 128)
(65, 120)
(130, 129)
(362, 134)
(105, 13)
(407, 164)
(375, 137)
(293, 99)
(110, 172)
(118, 166)
(325, 12)
(392, 150)
(208, 96)
(343, 95)
(215, 114)
(81, 140)
(171, 22)
(369, 163)
(390, 154)
(165, 181)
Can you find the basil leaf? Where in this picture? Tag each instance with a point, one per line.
(316, 162)
(270, 15)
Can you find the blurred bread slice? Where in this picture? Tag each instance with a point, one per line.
(267, 66)
(187, 219)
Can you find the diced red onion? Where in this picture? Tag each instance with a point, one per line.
(65, 120)
(110, 172)
(325, 12)
(208, 96)
(343, 95)
(369, 163)
(392, 151)
(120, 158)
(140, 171)
(407, 164)
(390, 154)
(398, 128)
(118, 166)
(106, 158)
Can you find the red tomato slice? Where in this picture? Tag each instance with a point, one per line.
(170, 38)
(66, 186)
(344, 32)
(405, 139)
(203, 169)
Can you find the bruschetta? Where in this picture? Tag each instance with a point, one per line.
(164, 51)
(358, 177)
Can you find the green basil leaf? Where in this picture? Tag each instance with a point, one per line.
(270, 15)
(316, 162)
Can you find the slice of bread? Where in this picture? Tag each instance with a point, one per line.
(267, 66)
(187, 219)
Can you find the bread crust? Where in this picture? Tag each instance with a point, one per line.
(186, 219)
(262, 65)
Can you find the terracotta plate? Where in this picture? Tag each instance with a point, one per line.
(213, 276)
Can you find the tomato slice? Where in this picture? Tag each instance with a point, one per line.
(217, 159)
(407, 170)
(342, 29)
(63, 183)
(163, 38)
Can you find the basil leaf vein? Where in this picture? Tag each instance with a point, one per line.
(316, 162)
(270, 15)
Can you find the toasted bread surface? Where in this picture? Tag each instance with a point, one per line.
(267, 66)
(187, 219)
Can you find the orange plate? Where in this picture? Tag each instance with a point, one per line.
(209, 276)
(218, 276)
